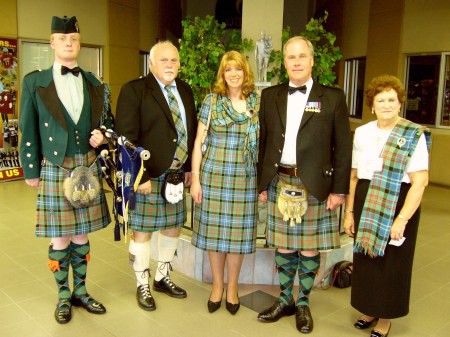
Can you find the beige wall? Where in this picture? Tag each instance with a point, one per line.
(355, 28)
(148, 28)
(123, 52)
(8, 23)
(35, 18)
(258, 15)
(426, 26)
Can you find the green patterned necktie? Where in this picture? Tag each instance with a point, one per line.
(182, 150)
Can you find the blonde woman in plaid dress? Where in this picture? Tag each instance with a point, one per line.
(224, 178)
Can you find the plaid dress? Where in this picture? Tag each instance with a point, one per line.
(225, 221)
(56, 217)
(317, 231)
(152, 213)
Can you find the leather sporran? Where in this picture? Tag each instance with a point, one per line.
(173, 187)
(292, 203)
(81, 187)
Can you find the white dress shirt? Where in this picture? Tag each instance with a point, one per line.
(70, 91)
(295, 109)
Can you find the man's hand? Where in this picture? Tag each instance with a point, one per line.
(335, 200)
(97, 138)
(263, 196)
(145, 188)
(34, 182)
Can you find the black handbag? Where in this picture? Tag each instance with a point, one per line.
(341, 275)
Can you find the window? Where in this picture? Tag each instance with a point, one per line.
(428, 89)
(39, 55)
(143, 63)
(355, 71)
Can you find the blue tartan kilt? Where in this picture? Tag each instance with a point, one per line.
(153, 213)
(56, 217)
(319, 229)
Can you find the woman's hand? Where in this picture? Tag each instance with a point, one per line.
(398, 228)
(349, 224)
(196, 191)
(145, 188)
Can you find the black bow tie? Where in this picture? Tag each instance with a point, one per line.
(292, 90)
(75, 71)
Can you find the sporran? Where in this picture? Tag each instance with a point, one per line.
(292, 203)
(81, 187)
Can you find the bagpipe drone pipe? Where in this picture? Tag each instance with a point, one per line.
(122, 167)
(127, 162)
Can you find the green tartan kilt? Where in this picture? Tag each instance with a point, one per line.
(152, 213)
(319, 227)
(56, 217)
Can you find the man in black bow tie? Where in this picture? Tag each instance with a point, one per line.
(305, 142)
(61, 108)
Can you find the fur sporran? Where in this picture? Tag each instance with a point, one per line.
(292, 203)
(173, 188)
(81, 187)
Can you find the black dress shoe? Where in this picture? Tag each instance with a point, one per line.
(376, 333)
(276, 311)
(63, 312)
(363, 324)
(166, 286)
(303, 319)
(144, 298)
(88, 303)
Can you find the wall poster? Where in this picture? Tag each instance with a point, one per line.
(10, 167)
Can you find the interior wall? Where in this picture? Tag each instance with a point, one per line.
(149, 13)
(35, 18)
(123, 44)
(426, 26)
(8, 22)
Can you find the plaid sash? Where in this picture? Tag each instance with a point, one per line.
(381, 200)
(181, 152)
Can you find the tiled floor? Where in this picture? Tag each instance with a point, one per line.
(28, 291)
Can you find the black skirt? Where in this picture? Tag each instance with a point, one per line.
(381, 286)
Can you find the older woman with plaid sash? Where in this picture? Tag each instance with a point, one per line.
(224, 178)
(389, 176)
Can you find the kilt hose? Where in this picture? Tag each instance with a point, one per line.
(319, 227)
(153, 213)
(56, 217)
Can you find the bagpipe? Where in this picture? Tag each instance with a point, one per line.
(122, 165)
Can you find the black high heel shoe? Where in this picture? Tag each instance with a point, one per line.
(232, 308)
(214, 306)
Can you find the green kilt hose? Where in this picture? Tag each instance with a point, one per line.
(317, 231)
(152, 213)
(56, 217)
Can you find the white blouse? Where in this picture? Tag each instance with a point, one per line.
(368, 144)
